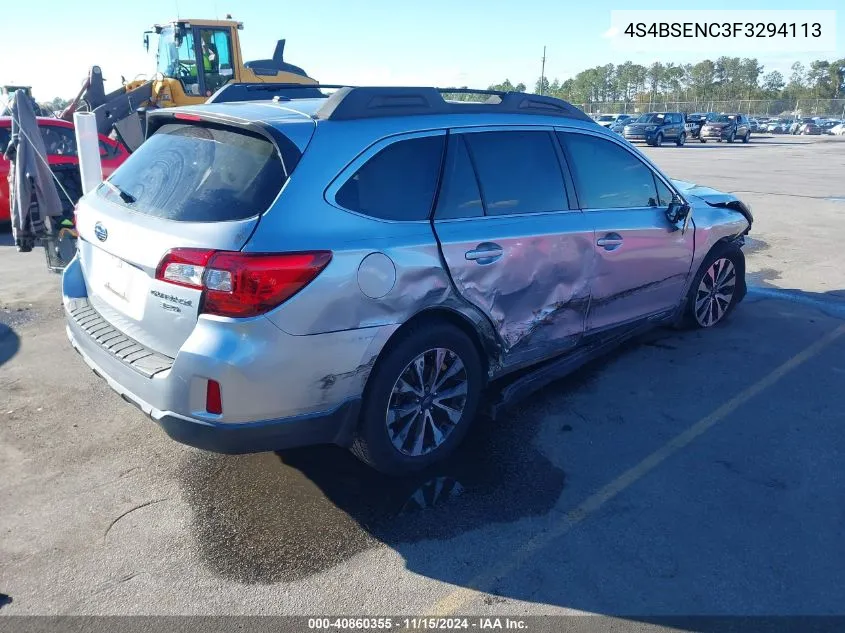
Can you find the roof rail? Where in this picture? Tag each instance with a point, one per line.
(261, 91)
(367, 102)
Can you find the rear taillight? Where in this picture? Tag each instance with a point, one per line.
(236, 284)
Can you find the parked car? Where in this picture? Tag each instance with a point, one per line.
(726, 127)
(656, 127)
(785, 126)
(753, 125)
(837, 130)
(828, 124)
(622, 120)
(698, 119)
(809, 128)
(60, 143)
(424, 252)
(606, 120)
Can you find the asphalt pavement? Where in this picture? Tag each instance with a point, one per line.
(686, 473)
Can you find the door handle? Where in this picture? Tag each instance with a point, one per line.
(610, 242)
(485, 253)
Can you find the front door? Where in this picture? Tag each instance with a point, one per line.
(641, 260)
(514, 245)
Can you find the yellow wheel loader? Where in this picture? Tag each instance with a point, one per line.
(196, 61)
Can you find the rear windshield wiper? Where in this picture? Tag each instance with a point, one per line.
(128, 198)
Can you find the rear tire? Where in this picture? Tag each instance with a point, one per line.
(747, 137)
(716, 289)
(703, 140)
(405, 426)
(731, 136)
(681, 140)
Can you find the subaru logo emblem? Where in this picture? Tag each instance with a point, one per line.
(101, 232)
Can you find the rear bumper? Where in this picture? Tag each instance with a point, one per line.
(334, 426)
(330, 427)
(271, 398)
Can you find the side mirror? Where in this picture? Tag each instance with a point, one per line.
(147, 42)
(677, 211)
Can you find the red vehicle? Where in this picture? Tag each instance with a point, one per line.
(60, 141)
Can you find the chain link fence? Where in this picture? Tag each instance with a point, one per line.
(831, 108)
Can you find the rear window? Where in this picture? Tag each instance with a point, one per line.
(192, 173)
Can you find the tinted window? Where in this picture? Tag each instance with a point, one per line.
(5, 135)
(519, 172)
(459, 195)
(398, 183)
(607, 176)
(193, 173)
(59, 141)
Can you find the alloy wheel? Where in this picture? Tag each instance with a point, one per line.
(427, 402)
(715, 292)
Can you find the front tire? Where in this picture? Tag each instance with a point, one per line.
(731, 136)
(681, 140)
(703, 140)
(747, 137)
(658, 140)
(420, 399)
(716, 289)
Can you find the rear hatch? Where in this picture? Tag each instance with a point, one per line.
(194, 184)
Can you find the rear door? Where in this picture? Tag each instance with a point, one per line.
(189, 186)
(515, 243)
(641, 260)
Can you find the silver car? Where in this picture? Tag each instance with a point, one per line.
(374, 268)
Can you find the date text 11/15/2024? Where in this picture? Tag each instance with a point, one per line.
(416, 624)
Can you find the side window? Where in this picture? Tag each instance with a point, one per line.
(608, 176)
(519, 172)
(106, 150)
(5, 136)
(397, 183)
(459, 194)
(187, 67)
(58, 141)
(664, 194)
(215, 48)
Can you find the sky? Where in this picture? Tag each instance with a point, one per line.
(50, 44)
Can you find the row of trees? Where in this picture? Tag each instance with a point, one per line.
(726, 78)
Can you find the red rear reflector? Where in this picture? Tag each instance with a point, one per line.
(213, 401)
(236, 284)
(187, 117)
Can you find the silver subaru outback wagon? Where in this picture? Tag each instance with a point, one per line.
(373, 267)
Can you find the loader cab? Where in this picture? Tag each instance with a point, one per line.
(199, 55)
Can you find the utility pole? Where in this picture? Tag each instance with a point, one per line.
(543, 72)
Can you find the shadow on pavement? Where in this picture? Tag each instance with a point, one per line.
(747, 520)
(10, 342)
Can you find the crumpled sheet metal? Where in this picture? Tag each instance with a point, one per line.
(540, 293)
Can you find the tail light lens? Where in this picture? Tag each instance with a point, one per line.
(236, 284)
